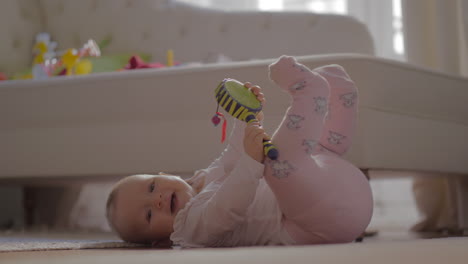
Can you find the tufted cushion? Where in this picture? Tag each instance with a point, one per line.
(195, 34)
(259, 35)
(132, 25)
(153, 26)
(20, 21)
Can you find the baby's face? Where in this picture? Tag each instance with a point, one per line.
(145, 206)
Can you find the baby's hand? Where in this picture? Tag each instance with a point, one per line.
(260, 96)
(253, 141)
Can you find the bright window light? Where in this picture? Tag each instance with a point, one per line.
(398, 39)
(330, 6)
(317, 6)
(397, 8)
(270, 5)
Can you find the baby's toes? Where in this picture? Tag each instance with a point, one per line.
(287, 71)
(289, 74)
(280, 70)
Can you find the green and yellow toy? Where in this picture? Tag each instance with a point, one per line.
(242, 104)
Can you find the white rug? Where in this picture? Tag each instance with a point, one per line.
(426, 251)
(37, 243)
(62, 245)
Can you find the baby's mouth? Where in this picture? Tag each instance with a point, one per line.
(173, 203)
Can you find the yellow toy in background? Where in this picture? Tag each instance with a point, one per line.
(40, 49)
(47, 62)
(44, 49)
(69, 60)
(170, 58)
(83, 66)
(74, 60)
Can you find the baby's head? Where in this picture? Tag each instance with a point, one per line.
(142, 208)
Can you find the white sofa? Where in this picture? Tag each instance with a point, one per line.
(154, 26)
(55, 127)
(115, 124)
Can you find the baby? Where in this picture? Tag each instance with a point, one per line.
(309, 195)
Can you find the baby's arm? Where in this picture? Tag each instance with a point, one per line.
(224, 164)
(207, 223)
(253, 141)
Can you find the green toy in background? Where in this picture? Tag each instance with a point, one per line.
(242, 104)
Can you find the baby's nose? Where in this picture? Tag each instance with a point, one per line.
(159, 201)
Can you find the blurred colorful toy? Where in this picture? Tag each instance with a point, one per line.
(90, 49)
(44, 54)
(69, 60)
(47, 62)
(170, 58)
(76, 62)
(44, 49)
(3, 77)
(135, 62)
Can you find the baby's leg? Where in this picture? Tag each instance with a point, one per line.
(294, 175)
(303, 121)
(340, 122)
(323, 198)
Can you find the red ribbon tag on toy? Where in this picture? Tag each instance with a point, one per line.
(216, 121)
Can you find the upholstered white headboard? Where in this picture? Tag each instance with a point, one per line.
(154, 26)
(20, 21)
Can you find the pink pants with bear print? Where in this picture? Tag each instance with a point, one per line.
(324, 198)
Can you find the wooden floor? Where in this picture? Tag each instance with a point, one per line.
(444, 250)
(392, 244)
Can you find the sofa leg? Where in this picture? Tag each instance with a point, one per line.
(459, 186)
(29, 206)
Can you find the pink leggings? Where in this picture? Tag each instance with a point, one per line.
(324, 198)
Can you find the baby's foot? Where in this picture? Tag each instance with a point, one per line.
(336, 76)
(342, 88)
(294, 77)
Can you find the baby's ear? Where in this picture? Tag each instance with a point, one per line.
(197, 182)
(164, 243)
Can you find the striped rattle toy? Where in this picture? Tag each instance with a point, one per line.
(242, 104)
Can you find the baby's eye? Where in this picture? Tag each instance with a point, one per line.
(148, 216)
(151, 188)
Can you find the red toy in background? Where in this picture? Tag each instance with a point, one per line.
(3, 77)
(136, 62)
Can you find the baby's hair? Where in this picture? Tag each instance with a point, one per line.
(110, 206)
(111, 201)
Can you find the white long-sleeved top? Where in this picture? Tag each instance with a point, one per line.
(236, 207)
